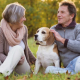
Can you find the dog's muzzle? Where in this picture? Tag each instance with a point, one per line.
(35, 36)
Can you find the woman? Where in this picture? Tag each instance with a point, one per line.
(14, 51)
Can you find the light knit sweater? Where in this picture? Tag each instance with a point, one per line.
(72, 48)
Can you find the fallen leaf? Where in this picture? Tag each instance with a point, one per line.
(6, 78)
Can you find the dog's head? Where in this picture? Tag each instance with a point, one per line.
(43, 36)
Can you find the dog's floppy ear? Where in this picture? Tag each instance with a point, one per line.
(50, 39)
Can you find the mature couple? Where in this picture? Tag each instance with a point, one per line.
(14, 52)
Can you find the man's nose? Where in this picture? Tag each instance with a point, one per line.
(58, 14)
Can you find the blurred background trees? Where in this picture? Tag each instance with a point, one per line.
(39, 13)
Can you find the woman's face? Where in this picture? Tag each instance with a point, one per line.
(21, 22)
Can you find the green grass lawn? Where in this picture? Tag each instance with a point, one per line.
(33, 47)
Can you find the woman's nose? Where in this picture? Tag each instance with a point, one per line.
(24, 19)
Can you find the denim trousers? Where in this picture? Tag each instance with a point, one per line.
(73, 67)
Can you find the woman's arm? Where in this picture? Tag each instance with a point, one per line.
(2, 55)
(32, 59)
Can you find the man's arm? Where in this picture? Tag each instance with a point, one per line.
(72, 45)
(57, 36)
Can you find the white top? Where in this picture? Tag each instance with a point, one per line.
(21, 44)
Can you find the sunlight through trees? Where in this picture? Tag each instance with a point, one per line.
(40, 12)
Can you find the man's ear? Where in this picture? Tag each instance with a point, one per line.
(72, 16)
(51, 39)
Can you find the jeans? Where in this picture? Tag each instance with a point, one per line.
(73, 67)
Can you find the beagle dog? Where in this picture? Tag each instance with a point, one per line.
(47, 54)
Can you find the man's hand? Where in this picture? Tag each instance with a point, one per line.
(57, 36)
(21, 60)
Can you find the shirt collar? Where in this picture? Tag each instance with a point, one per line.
(71, 25)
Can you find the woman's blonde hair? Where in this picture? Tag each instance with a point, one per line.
(13, 12)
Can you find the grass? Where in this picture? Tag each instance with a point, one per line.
(33, 47)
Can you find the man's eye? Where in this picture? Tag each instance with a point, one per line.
(62, 12)
(57, 11)
(43, 32)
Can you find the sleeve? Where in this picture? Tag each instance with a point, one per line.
(74, 45)
(32, 59)
(2, 55)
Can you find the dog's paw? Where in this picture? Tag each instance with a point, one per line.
(35, 73)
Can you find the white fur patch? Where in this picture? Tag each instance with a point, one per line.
(45, 55)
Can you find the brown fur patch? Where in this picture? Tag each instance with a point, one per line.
(55, 49)
(50, 39)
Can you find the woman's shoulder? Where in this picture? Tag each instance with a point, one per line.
(1, 30)
(1, 33)
(25, 27)
(26, 31)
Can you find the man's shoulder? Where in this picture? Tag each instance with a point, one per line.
(78, 25)
(53, 27)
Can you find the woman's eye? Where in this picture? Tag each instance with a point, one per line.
(43, 32)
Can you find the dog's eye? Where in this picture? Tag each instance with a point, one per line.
(37, 31)
(43, 32)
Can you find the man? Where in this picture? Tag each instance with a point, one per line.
(67, 35)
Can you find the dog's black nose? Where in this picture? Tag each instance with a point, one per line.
(36, 36)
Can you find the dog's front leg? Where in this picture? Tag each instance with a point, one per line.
(37, 66)
(57, 63)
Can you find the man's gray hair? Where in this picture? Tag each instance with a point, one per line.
(13, 12)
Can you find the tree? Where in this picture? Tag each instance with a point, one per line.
(2, 6)
(39, 13)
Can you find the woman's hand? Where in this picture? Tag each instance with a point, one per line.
(21, 60)
(57, 36)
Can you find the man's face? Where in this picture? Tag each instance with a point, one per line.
(64, 16)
